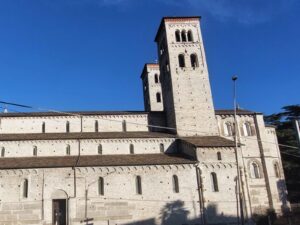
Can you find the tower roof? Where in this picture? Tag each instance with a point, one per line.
(174, 18)
(147, 65)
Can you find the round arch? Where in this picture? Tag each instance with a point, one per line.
(59, 194)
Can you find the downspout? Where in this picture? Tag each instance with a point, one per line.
(263, 163)
(43, 202)
(200, 194)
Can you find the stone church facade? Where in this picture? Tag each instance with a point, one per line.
(174, 163)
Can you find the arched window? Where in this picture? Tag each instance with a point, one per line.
(96, 126)
(183, 36)
(2, 152)
(100, 186)
(138, 185)
(124, 127)
(25, 188)
(177, 35)
(158, 97)
(175, 184)
(156, 79)
(219, 156)
(214, 182)
(276, 170)
(99, 149)
(43, 127)
(68, 150)
(34, 151)
(131, 148)
(247, 129)
(190, 36)
(68, 127)
(194, 60)
(228, 129)
(162, 148)
(254, 170)
(181, 60)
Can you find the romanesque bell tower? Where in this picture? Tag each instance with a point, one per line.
(184, 77)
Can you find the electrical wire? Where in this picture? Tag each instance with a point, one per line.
(135, 123)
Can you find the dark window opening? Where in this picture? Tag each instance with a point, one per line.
(190, 36)
(96, 126)
(175, 184)
(214, 181)
(181, 60)
(219, 156)
(162, 148)
(124, 127)
(2, 152)
(99, 149)
(68, 127)
(101, 186)
(158, 97)
(25, 188)
(131, 148)
(68, 150)
(43, 127)
(34, 151)
(138, 183)
(194, 60)
(156, 80)
(255, 170)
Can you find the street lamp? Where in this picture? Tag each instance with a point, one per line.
(238, 183)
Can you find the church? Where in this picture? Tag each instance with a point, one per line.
(178, 162)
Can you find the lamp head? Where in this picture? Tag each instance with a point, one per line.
(234, 78)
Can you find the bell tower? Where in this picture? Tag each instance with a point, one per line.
(184, 77)
(152, 88)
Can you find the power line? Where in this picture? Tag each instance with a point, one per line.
(135, 123)
(297, 156)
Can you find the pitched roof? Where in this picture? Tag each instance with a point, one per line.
(71, 113)
(84, 135)
(209, 141)
(94, 160)
(99, 113)
(231, 112)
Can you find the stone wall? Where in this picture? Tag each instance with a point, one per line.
(120, 203)
(57, 124)
(87, 147)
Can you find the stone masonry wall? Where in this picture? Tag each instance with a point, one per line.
(120, 203)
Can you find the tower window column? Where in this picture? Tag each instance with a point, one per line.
(177, 35)
(183, 36)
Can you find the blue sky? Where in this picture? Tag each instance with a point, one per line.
(88, 54)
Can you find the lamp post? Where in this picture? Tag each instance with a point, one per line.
(297, 126)
(240, 214)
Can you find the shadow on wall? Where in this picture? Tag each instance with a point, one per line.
(281, 187)
(175, 213)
